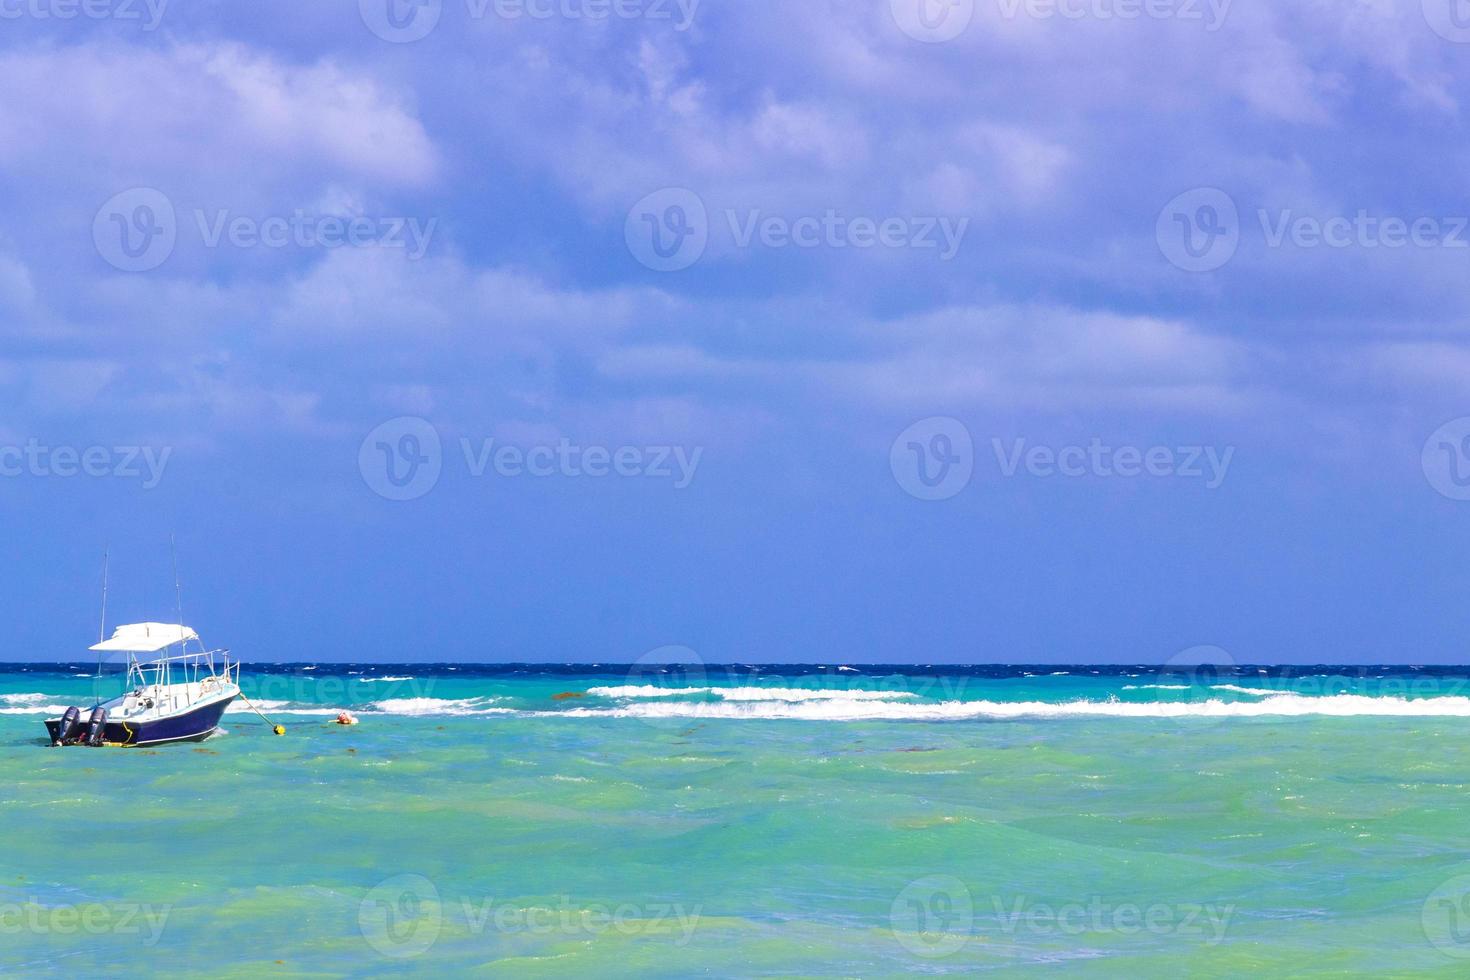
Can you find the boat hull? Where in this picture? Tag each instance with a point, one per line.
(193, 725)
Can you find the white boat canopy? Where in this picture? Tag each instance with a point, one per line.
(145, 638)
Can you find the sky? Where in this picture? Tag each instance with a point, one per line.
(899, 331)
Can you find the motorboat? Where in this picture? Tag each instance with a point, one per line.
(171, 694)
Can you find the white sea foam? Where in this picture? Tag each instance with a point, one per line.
(1237, 689)
(747, 693)
(385, 680)
(388, 706)
(1280, 705)
(30, 703)
(35, 709)
(437, 706)
(24, 699)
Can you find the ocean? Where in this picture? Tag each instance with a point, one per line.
(735, 821)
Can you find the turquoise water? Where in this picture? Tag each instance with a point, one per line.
(668, 823)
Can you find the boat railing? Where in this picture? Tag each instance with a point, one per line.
(196, 667)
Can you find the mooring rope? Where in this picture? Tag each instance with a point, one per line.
(278, 729)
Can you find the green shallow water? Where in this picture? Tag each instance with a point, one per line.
(523, 845)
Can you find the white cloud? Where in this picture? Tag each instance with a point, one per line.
(178, 115)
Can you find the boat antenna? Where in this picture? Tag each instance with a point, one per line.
(102, 628)
(178, 589)
(173, 553)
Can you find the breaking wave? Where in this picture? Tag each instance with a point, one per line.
(1276, 705)
(436, 706)
(747, 693)
(30, 704)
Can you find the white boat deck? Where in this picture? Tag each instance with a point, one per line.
(150, 702)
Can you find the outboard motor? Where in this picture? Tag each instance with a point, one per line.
(69, 721)
(97, 726)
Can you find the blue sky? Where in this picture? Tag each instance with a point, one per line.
(909, 331)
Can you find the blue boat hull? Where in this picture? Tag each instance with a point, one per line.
(188, 726)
